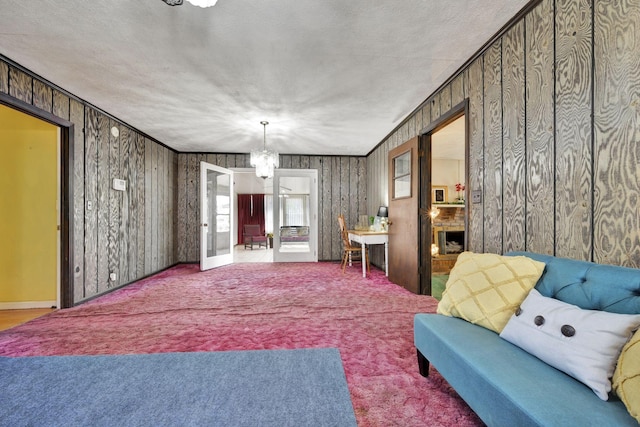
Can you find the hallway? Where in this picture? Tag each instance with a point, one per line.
(240, 254)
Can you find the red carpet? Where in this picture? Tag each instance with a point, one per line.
(266, 306)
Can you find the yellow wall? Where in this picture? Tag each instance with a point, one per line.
(28, 208)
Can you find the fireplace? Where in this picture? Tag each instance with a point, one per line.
(450, 240)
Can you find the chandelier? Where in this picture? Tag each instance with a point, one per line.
(263, 160)
(200, 3)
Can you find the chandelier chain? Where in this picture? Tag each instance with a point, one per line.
(264, 139)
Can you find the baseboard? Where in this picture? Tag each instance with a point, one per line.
(128, 283)
(27, 304)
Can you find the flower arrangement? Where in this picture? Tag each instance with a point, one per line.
(460, 188)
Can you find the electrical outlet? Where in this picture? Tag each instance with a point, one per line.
(476, 196)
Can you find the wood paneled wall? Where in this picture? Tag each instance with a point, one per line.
(342, 188)
(554, 123)
(130, 233)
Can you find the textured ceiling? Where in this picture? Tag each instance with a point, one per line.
(331, 76)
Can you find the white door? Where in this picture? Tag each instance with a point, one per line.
(216, 215)
(295, 215)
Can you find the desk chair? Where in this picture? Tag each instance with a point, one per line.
(350, 252)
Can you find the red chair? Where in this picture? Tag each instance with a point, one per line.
(252, 235)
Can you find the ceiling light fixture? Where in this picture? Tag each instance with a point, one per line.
(199, 3)
(263, 160)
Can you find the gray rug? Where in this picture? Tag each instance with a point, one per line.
(304, 387)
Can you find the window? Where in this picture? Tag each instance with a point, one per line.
(402, 175)
(294, 210)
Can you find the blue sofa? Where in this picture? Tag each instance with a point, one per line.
(505, 385)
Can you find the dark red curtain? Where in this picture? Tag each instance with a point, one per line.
(250, 211)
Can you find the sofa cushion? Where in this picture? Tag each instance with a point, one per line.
(626, 378)
(486, 289)
(582, 343)
(589, 285)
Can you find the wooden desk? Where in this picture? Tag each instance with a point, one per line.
(372, 238)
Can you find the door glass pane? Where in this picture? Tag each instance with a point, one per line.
(402, 165)
(402, 176)
(295, 214)
(218, 212)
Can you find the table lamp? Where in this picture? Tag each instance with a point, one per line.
(383, 213)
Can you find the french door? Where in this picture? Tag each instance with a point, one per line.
(295, 215)
(216, 215)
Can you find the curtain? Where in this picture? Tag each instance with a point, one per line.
(268, 213)
(294, 210)
(257, 216)
(250, 211)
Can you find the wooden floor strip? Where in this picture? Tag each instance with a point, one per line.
(11, 318)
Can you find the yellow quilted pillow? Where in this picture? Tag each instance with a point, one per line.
(486, 289)
(626, 378)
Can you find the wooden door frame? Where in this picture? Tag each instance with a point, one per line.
(66, 191)
(424, 189)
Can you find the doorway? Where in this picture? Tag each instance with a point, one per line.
(290, 207)
(252, 194)
(43, 171)
(443, 212)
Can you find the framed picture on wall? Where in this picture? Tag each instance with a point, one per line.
(439, 194)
